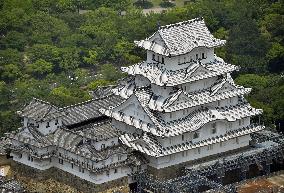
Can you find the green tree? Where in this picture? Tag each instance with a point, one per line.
(70, 59)
(4, 95)
(122, 51)
(10, 56)
(10, 72)
(91, 58)
(14, 40)
(39, 68)
(275, 57)
(97, 83)
(45, 52)
(47, 29)
(110, 73)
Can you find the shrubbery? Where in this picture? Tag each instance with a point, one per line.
(144, 4)
(166, 4)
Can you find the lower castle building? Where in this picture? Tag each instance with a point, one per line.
(178, 106)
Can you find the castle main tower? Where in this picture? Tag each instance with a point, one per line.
(182, 104)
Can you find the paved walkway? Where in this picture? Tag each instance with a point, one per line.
(154, 10)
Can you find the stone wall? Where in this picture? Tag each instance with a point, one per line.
(20, 171)
(178, 170)
(4, 160)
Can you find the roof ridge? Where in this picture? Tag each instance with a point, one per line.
(85, 102)
(45, 102)
(181, 23)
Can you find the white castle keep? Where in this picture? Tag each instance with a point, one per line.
(179, 105)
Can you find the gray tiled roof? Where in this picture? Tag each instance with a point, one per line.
(10, 186)
(192, 122)
(157, 74)
(40, 110)
(89, 109)
(194, 99)
(98, 131)
(152, 147)
(181, 38)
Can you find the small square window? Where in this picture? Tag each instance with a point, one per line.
(47, 125)
(195, 135)
(214, 131)
(115, 170)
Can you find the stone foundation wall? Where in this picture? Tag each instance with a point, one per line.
(20, 170)
(178, 170)
(4, 160)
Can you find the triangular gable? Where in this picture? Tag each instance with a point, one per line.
(39, 110)
(156, 37)
(26, 133)
(222, 86)
(226, 87)
(182, 98)
(132, 107)
(199, 70)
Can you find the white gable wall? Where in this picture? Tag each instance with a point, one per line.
(198, 85)
(124, 128)
(180, 62)
(44, 127)
(105, 143)
(132, 107)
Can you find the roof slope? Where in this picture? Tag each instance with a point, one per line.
(40, 110)
(181, 38)
(89, 109)
(163, 77)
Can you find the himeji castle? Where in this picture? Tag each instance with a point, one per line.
(182, 103)
(178, 106)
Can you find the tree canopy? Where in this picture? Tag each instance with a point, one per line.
(59, 50)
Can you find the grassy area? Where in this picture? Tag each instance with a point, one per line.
(156, 2)
(179, 3)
